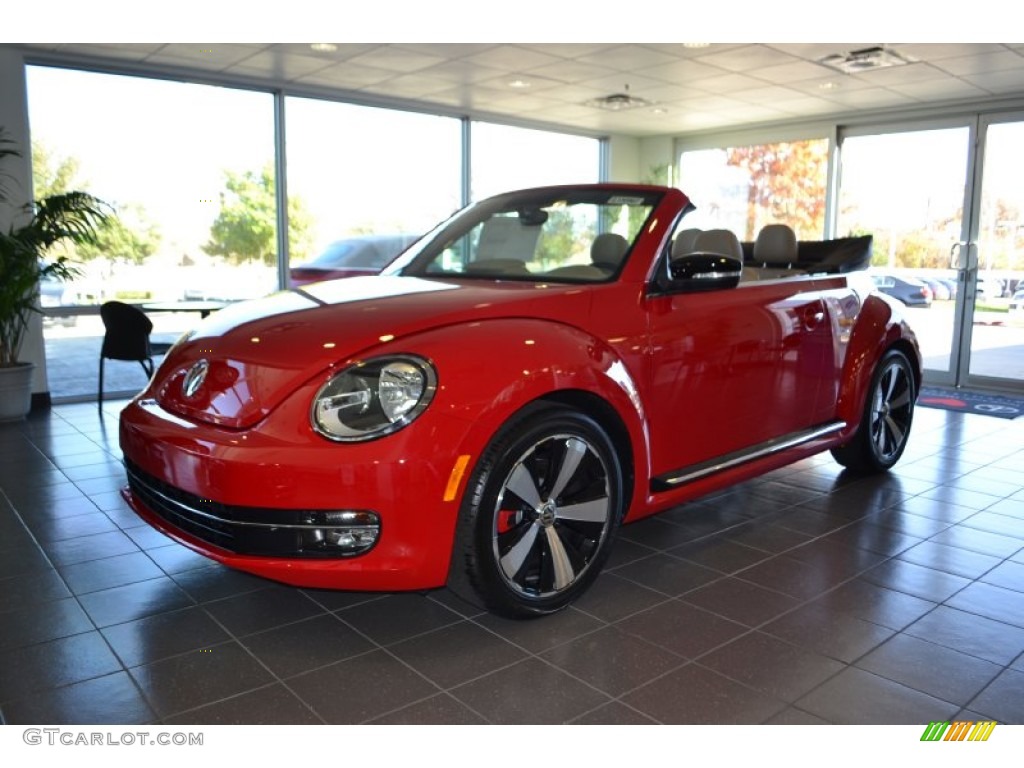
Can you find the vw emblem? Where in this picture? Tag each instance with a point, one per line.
(995, 408)
(194, 378)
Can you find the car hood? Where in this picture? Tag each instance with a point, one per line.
(241, 362)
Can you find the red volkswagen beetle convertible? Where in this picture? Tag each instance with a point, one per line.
(538, 370)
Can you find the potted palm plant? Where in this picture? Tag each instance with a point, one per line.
(27, 256)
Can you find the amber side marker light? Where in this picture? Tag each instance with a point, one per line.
(455, 478)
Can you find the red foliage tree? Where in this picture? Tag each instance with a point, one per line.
(787, 185)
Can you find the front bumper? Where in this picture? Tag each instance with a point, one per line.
(253, 499)
(296, 533)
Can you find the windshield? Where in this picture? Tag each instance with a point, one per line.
(567, 234)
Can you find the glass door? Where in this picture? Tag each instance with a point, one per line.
(994, 339)
(908, 186)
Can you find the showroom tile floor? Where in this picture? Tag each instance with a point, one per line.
(806, 596)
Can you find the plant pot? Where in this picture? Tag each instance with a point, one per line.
(15, 391)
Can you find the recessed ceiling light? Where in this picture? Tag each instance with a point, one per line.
(829, 86)
(696, 45)
(518, 83)
(323, 47)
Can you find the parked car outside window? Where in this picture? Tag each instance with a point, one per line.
(909, 290)
(1017, 301)
(353, 256)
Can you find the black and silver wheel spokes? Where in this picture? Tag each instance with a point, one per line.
(553, 512)
(891, 411)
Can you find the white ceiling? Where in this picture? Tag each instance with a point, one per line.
(691, 89)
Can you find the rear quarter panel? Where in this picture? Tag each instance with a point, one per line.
(880, 326)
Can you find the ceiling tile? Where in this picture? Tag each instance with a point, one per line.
(533, 83)
(462, 71)
(568, 113)
(342, 52)
(397, 58)
(939, 51)
(629, 58)
(726, 83)
(749, 58)
(805, 105)
(415, 87)
(452, 98)
(347, 76)
(1006, 82)
(130, 51)
(279, 65)
(867, 98)
(685, 51)
(622, 82)
(572, 94)
(784, 74)
(683, 72)
(765, 95)
(571, 71)
(568, 50)
(826, 85)
(450, 50)
(507, 103)
(756, 113)
(666, 93)
(700, 121)
(712, 104)
(997, 61)
(947, 89)
(513, 58)
(209, 56)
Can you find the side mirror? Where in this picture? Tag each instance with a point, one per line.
(703, 272)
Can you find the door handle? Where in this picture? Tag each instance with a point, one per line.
(955, 250)
(960, 256)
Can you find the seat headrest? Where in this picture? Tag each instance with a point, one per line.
(685, 242)
(608, 249)
(720, 241)
(775, 244)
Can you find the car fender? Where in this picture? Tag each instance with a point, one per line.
(880, 325)
(488, 371)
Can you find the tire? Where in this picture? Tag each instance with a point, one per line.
(888, 414)
(540, 514)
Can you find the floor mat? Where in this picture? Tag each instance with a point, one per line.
(965, 401)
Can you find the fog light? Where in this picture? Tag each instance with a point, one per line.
(344, 533)
(359, 539)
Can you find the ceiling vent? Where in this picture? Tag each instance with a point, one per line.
(865, 60)
(617, 102)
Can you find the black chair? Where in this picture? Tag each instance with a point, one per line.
(127, 338)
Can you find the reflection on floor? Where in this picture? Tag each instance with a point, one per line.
(807, 596)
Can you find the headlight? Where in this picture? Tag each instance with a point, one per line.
(374, 398)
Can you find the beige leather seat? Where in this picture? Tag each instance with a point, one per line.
(608, 250)
(775, 252)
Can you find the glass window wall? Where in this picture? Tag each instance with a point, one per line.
(743, 188)
(188, 170)
(364, 183)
